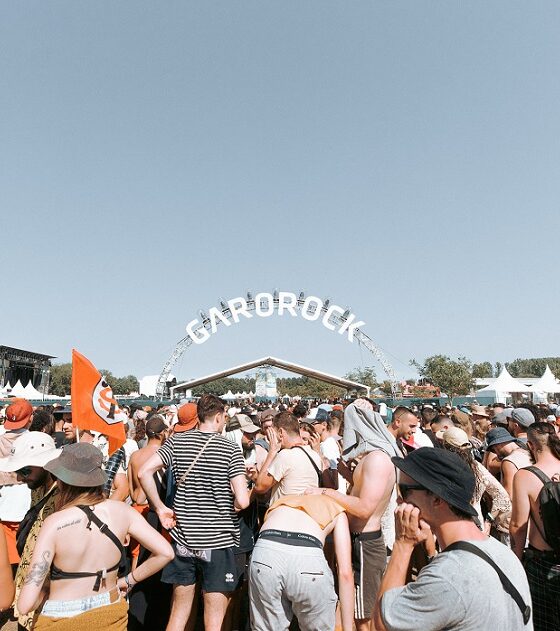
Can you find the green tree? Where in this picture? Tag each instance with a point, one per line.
(480, 371)
(453, 377)
(533, 367)
(387, 388)
(365, 375)
(221, 386)
(61, 378)
(59, 382)
(126, 385)
(307, 387)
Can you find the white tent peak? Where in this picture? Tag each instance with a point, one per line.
(547, 382)
(505, 383)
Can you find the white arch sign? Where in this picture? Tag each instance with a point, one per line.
(334, 318)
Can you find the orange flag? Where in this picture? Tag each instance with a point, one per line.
(93, 404)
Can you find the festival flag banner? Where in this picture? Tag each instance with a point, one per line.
(93, 405)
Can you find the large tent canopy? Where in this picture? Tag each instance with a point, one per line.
(341, 382)
(504, 383)
(547, 383)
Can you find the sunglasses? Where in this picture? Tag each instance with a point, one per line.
(404, 489)
(24, 471)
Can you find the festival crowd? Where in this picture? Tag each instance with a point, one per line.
(333, 515)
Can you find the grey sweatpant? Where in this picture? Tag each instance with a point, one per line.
(286, 580)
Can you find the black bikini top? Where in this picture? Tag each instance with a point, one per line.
(101, 575)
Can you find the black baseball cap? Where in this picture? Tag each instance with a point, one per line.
(442, 472)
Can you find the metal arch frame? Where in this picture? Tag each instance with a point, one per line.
(361, 337)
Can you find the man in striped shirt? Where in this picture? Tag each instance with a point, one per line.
(211, 488)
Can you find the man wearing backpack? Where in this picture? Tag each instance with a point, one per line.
(536, 501)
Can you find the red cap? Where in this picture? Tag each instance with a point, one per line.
(187, 418)
(18, 414)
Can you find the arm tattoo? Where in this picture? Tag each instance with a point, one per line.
(39, 571)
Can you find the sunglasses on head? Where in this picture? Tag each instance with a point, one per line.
(404, 489)
(24, 471)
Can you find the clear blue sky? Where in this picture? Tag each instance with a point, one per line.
(400, 157)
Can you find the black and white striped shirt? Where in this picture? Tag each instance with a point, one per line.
(203, 503)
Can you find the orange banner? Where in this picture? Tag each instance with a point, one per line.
(93, 404)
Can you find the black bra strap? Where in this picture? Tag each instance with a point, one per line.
(508, 586)
(101, 575)
(92, 517)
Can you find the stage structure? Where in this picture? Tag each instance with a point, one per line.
(266, 364)
(333, 317)
(25, 367)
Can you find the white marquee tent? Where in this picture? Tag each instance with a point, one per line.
(504, 384)
(547, 384)
(30, 392)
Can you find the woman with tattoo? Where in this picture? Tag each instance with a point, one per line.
(7, 587)
(80, 548)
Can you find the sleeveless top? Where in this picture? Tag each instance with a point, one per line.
(100, 575)
(519, 458)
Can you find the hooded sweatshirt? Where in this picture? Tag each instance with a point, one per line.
(365, 431)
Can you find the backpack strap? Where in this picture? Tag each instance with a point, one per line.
(317, 470)
(541, 475)
(508, 586)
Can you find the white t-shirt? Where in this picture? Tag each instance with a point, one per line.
(330, 450)
(421, 439)
(293, 472)
(15, 501)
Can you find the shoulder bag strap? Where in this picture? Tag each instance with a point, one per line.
(508, 586)
(183, 477)
(317, 470)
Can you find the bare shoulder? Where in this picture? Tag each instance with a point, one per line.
(117, 508)
(377, 460)
(526, 479)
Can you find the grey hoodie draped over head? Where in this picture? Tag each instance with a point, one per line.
(365, 431)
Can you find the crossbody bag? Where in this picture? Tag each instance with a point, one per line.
(328, 479)
(172, 485)
(508, 586)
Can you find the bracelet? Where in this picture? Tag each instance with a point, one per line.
(132, 574)
(127, 580)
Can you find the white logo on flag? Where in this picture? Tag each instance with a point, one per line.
(105, 404)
